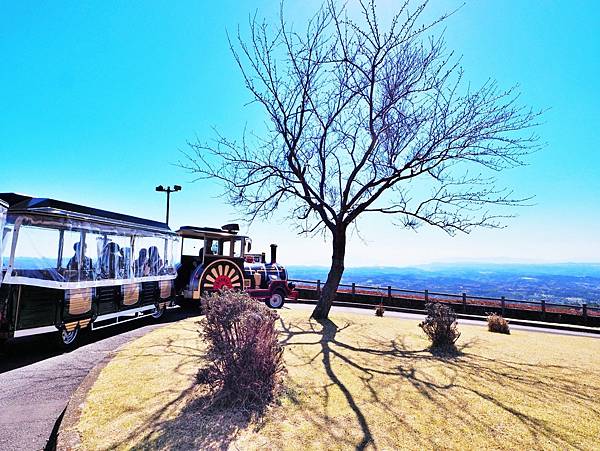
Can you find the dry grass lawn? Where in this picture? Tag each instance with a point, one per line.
(358, 382)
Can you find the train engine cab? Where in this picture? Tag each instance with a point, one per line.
(213, 259)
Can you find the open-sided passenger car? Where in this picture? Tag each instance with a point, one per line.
(68, 267)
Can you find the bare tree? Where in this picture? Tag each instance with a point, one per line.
(366, 119)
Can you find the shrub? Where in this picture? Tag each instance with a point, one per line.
(441, 327)
(497, 323)
(245, 356)
(379, 311)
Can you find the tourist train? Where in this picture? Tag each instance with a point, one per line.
(213, 259)
(68, 268)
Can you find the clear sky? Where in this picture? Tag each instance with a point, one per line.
(98, 98)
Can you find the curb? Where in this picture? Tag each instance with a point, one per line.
(67, 437)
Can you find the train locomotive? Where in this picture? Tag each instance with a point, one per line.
(213, 259)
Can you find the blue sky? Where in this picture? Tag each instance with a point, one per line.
(98, 98)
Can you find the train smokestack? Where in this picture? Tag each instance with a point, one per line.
(273, 253)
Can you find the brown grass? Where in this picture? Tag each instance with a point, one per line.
(358, 382)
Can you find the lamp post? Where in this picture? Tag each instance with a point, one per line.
(168, 190)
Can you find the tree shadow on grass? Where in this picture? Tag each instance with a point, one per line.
(370, 373)
(200, 421)
(329, 332)
(198, 425)
(465, 375)
(189, 420)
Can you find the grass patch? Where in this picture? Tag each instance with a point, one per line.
(358, 381)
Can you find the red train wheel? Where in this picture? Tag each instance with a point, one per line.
(221, 274)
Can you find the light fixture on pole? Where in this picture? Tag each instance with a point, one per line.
(168, 190)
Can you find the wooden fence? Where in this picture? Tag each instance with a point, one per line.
(402, 299)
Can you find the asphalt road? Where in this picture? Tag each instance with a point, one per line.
(36, 382)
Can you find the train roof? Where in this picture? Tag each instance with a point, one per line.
(20, 203)
(3, 204)
(228, 230)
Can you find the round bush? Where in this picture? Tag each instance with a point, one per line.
(441, 327)
(497, 323)
(243, 348)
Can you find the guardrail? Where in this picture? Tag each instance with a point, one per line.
(582, 314)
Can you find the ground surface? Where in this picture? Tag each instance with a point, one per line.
(358, 382)
(36, 381)
(539, 327)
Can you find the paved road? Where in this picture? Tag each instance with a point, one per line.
(36, 382)
(419, 317)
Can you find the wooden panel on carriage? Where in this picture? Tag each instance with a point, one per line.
(79, 300)
(166, 289)
(131, 293)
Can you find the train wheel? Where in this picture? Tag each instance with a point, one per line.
(276, 300)
(158, 312)
(68, 340)
(221, 274)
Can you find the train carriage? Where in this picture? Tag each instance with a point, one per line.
(213, 259)
(68, 267)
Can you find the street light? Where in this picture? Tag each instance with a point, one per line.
(168, 190)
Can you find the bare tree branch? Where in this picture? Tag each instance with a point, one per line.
(366, 118)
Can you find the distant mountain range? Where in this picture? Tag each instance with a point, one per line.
(569, 283)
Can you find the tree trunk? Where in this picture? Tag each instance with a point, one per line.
(336, 271)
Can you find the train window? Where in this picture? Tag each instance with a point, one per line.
(176, 246)
(150, 251)
(238, 248)
(192, 246)
(5, 246)
(115, 257)
(140, 264)
(172, 256)
(71, 249)
(36, 253)
(213, 245)
(85, 253)
(227, 248)
(128, 258)
(92, 250)
(71, 257)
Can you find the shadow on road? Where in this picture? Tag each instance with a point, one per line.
(20, 352)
